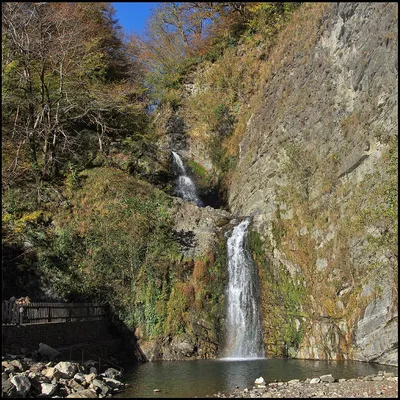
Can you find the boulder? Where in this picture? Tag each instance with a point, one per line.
(111, 373)
(8, 389)
(37, 368)
(67, 369)
(100, 386)
(327, 378)
(112, 383)
(315, 380)
(48, 352)
(7, 366)
(32, 375)
(36, 382)
(79, 377)
(51, 373)
(48, 389)
(18, 365)
(22, 384)
(260, 381)
(77, 387)
(83, 394)
(90, 377)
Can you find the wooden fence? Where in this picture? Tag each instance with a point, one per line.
(34, 313)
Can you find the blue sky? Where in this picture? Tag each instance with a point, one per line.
(132, 16)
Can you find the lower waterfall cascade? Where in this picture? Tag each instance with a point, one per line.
(244, 338)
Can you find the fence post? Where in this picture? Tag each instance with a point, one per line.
(49, 315)
(14, 312)
(21, 315)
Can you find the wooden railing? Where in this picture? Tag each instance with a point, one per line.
(34, 313)
(10, 313)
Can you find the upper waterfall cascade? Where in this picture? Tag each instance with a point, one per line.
(244, 332)
(185, 187)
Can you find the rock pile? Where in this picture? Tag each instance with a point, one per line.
(24, 377)
(384, 384)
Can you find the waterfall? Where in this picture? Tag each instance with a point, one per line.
(185, 187)
(244, 333)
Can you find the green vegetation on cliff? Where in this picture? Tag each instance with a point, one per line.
(281, 300)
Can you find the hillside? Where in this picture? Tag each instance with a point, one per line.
(287, 115)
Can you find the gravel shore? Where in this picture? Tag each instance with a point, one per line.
(381, 385)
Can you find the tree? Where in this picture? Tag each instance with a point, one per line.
(65, 74)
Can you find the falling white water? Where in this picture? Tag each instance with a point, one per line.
(244, 333)
(185, 188)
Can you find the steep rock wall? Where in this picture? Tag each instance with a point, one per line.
(318, 171)
(198, 296)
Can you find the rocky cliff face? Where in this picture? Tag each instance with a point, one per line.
(316, 168)
(318, 172)
(201, 296)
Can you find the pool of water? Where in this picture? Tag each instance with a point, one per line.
(185, 379)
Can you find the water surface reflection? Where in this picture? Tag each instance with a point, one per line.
(185, 379)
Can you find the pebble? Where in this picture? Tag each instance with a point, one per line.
(369, 386)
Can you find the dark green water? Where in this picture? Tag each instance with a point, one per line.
(206, 377)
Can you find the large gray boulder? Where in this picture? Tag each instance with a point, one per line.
(48, 352)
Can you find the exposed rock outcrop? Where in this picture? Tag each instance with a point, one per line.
(316, 166)
(198, 227)
(200, 232)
